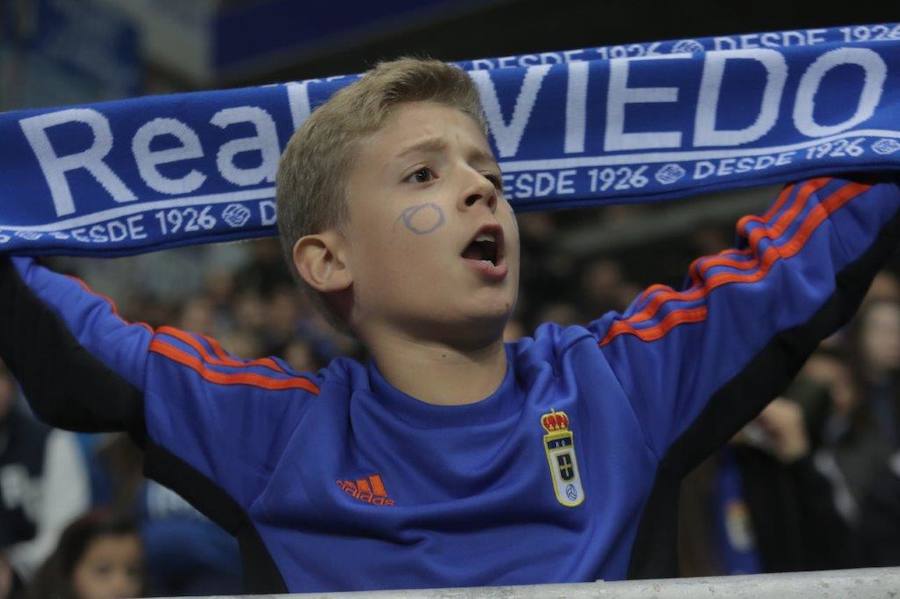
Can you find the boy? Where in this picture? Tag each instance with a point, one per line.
(450, 459)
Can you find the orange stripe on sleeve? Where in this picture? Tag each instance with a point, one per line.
(363, 486)
(700, 266)
(817, 215)
(782, 198)
(226, 359)
(659, 331)
(243, 378)
(223, 359)
(651, 309)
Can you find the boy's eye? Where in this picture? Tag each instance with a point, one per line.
(422, 175)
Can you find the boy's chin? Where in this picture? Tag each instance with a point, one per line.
(476, 328)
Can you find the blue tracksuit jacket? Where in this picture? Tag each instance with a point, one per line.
(337, 481)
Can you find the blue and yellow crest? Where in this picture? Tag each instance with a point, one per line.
(559, 444)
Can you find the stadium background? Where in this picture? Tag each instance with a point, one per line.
(579, 264)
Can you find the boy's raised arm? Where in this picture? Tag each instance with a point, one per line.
(195, 409)
(696, 364)
(80, 365)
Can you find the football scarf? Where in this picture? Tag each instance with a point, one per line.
(615, 124)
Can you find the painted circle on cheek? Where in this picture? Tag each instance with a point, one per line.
(423, 218)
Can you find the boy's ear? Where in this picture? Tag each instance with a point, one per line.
(319, 259)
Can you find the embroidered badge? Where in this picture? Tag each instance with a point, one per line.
(559, 444)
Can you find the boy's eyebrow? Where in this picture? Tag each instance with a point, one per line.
(479, 155)
(429, 144)
(437, 144)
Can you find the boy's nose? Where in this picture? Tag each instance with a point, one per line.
(481, 191)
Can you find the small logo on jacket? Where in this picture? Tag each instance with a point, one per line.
(368, 490)
(559, 444)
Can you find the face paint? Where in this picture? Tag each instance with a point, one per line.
(423, 218)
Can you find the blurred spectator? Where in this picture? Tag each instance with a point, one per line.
(861, 371)
(266, 270)
(282, 316)
(300, 356)
(116, 470)
(186, 554)
(43, 486)
(601, 287)
(761, 506)
(879, 526)
(249, 311)
(99, 556)
(886, 286)
(852, 450)
(197, 316)
(876, 335)
(242, 343)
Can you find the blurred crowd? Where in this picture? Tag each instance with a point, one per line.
(812, 483)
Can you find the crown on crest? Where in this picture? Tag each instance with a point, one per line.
(555, 421)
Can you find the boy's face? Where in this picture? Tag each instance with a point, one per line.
(433, 245)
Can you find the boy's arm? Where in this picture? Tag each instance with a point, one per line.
(80, 366)
(699, 363)
(196, 410)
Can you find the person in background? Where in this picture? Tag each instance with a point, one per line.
(877, 345)
(184, 553)
(860, 368)
(760, 505)
(43, 486)
(99, 556)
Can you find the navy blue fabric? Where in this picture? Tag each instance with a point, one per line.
(352, 484)
(635, 123)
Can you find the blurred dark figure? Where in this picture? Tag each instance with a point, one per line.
(850, 448)
(43, 486)
(885, 286)
(879, 523)
(863, 430)
(99, 556)
(878, 360)
(876, 337)
(760, 505)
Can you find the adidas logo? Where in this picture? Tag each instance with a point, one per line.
(368, 490)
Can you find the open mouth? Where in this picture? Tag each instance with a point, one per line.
(487, 245)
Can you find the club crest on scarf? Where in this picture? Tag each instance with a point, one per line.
(559, 445)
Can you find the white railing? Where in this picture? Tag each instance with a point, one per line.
(865, 583)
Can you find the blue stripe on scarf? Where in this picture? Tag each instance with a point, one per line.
(635, 123)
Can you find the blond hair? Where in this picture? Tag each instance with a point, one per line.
(312, 174)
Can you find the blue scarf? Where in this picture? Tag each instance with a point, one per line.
(633, 123)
